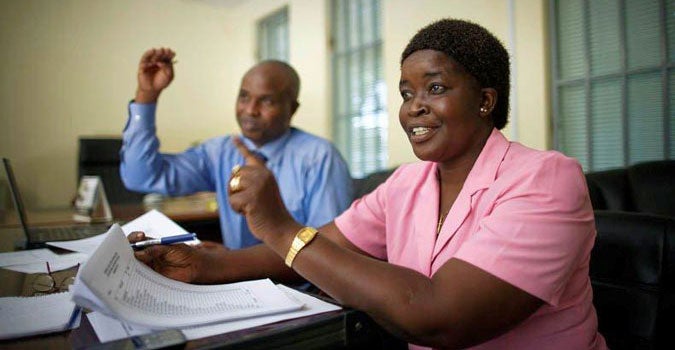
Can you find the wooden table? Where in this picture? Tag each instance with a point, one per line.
(196, 213)
(200, 206)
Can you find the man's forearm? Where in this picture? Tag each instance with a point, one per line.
(143, 96)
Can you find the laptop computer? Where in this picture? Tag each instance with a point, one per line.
(39, 236)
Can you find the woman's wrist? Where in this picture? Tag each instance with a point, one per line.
(205, 263)
(280, 241)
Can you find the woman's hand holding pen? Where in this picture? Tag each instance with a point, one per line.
(180, 261)
(155, 73)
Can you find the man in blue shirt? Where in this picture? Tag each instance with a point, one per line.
(314, 179)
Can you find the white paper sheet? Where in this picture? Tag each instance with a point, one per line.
(109, 329)
(26, 257)
(311, 306)
(56, 263)
(153, 223)
(131, 291)
(84, 245)
(24, 316)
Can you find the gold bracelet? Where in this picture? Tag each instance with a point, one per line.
(302, 238)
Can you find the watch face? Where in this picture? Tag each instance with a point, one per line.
(305, 235)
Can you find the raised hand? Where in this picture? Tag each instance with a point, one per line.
(254, 193)
(155, 73)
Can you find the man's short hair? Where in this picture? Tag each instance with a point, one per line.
(291, 75)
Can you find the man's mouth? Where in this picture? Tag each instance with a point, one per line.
(249, 125)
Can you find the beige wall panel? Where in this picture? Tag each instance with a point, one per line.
(68, 68)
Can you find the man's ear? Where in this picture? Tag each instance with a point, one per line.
(294, 107)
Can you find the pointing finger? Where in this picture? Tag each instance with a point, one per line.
(249, 157)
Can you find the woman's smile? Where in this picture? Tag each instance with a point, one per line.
(419, 134)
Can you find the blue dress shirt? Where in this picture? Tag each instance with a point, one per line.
(313, 178)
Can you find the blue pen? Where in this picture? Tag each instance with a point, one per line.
(73, 317)
(164, 240)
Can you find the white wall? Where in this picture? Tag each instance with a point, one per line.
(67, 68)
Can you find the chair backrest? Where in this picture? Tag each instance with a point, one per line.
(632, 272)
(367, 184)
(609, 190)
(652, 187)
(101, 156)
(644, 187)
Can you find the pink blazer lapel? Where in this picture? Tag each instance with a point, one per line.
(458, 213)
(426, 218)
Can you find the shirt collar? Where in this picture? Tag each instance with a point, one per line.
(484, 170)
(271, 149)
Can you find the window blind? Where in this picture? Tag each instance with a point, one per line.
(272, 36)
(613, 69)
(359, 106)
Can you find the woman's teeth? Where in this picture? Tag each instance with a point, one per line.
(420, 130)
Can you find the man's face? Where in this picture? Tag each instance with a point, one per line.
(264, 105)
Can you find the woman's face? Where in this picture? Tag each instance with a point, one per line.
(441, 109)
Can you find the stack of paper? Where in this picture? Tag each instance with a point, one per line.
(109, 329)
(114, 283)
(24, 316)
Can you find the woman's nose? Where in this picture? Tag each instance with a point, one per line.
(418, 107)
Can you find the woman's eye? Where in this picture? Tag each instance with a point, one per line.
(436, 89)
(406, 95)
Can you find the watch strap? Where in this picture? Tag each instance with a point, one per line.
(308, 233)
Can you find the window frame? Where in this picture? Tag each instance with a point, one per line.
(587, 81)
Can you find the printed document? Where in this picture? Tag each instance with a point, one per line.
(109, 329)
(113, 282)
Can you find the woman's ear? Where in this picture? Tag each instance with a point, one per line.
(488, 101)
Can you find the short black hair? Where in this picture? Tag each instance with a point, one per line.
(480, 53)
(292, 76)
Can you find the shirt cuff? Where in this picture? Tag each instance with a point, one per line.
(141, 116)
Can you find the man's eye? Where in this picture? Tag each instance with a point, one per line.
(406, 95)
(268, 102)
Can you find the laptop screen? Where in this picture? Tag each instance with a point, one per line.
(16, 195)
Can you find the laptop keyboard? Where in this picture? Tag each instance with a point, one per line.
(46, 234)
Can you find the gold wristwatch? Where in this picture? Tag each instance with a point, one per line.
(302, 238)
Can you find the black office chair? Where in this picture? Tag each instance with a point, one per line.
(101, 156)
(632, 271)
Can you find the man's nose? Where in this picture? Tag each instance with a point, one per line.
(252, 108)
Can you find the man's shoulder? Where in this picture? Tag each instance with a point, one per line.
(303, 141)
(218, 141)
